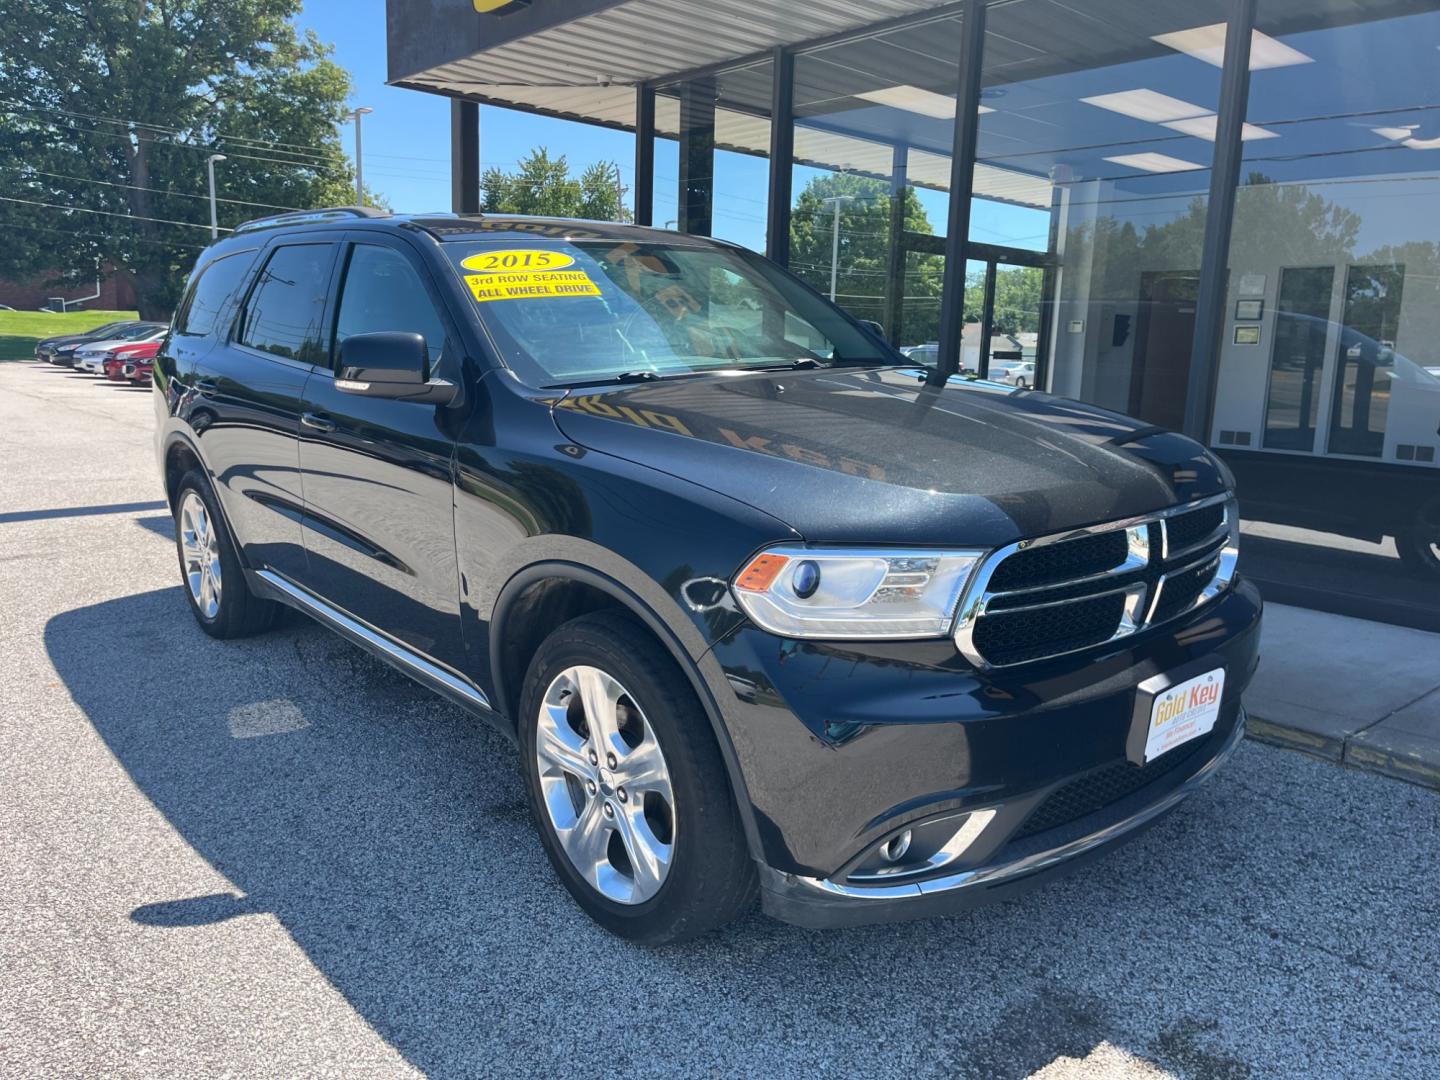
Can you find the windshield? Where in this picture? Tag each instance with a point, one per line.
(568, 313)
(108, 329)
(131, 333)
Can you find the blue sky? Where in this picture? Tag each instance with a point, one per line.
(407, 137)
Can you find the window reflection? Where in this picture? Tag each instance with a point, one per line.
(1336, 240)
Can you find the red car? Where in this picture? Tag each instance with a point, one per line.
(124, 357)
(138, 371)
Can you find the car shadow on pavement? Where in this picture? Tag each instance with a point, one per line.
(386, 831)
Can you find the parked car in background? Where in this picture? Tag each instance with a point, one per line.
(927, 355)
(117, 359)
(91, 356)
(1017, 373)
(139, 372)
(763, 614)
(60, 350)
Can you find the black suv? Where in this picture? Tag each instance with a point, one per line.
(764, 606)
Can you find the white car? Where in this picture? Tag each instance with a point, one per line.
(92, 356)
(1017, 373)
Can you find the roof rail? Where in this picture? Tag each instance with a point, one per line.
(304, 217)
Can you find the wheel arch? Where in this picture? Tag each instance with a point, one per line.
(507, 676)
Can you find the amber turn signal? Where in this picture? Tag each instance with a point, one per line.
(761, 573)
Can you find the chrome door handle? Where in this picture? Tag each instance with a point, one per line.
(205, 388)
(316, 421)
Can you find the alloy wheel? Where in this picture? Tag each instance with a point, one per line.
(200, 548)
(605, 785)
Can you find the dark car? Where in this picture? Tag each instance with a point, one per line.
(61, 350)
(765, 607)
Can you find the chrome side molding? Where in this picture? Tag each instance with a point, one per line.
(409, 661)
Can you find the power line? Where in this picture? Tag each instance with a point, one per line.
(160, 191)
(307, 147)
(102, 236)
(313, 167)
(107, 213)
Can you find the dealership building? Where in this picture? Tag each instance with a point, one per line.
(1220, 216)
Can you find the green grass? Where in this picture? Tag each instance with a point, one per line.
(19, 330)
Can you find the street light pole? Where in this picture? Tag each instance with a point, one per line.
(355, 115)
(835, 202)
(210, 169)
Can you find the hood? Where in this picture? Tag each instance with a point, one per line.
(876, 456)
(65, 339)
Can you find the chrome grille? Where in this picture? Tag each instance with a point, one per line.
(1076, 590)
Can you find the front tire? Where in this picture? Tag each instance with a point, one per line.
(214, 582)
(627, 786)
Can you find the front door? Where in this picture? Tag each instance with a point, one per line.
(1164, 332)
(379, 504)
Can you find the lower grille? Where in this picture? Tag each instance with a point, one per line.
(1105, 786)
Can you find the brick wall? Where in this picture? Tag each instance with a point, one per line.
(117, 292)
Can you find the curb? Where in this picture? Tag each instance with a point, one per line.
(1399, 755)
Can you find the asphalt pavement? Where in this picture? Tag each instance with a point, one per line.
(278, 857)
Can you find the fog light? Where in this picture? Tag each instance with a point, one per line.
(894, 849)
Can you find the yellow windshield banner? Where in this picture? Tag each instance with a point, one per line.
(530, 285)
(484, 7)
(498, 262)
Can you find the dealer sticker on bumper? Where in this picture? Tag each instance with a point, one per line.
(1183, 712)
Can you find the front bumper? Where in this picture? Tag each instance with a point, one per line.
(839, 747)
(820, 903)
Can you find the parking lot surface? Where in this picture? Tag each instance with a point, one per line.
(280, 857)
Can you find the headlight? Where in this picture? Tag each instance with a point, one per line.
(805, 592)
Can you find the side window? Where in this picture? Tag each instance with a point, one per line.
(382, 291)
(217, 281)
(286, 308)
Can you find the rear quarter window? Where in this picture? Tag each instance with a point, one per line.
(211, 291)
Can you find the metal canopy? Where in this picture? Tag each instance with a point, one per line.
(627, 43)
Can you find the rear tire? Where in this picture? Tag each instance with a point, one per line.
(1419, 542)
(210, 571)
(627, 786)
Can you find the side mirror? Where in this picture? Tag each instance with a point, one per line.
(390, 364)
(874, 327)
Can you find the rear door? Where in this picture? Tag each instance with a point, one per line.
(247, 393)
(379, 504)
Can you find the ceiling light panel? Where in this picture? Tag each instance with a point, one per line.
(1207, 43)
(1203, 127)
(1144, 104)
(1156, 163)
(916, 100)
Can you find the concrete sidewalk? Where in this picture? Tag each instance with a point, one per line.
(1363, 693)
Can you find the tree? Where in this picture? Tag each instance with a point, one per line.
(864, 262)
(543, 185)
(109, 109)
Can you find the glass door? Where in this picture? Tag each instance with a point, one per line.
(1297, 359)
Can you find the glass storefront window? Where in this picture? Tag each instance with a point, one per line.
(1327, 399)
(712, 154)
(1099, 132)
(874, 124)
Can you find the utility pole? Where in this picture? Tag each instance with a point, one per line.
(355, 115)
(835, 202)
(619, 195)
(210, 168)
